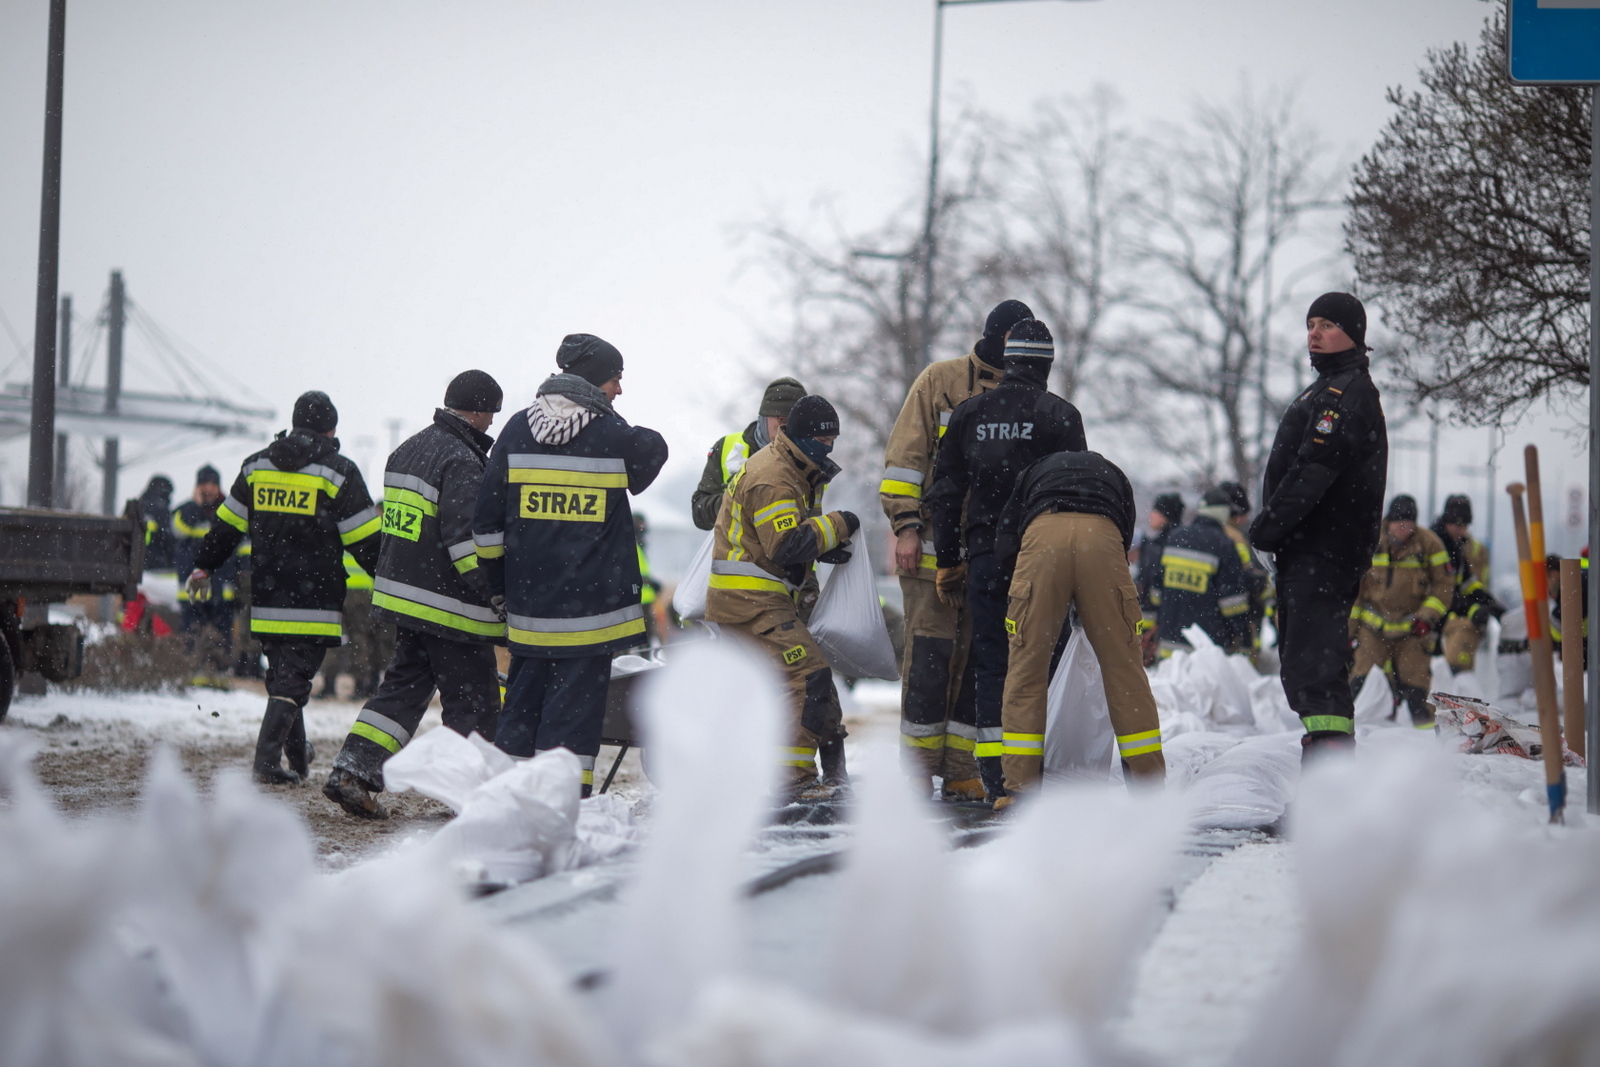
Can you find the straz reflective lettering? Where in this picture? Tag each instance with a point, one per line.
(402, 520)
(563, 503)
(1005, 431)
(289, 498)
(1184, 574)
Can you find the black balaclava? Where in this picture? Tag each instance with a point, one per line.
(1006, 314)
(810, 418)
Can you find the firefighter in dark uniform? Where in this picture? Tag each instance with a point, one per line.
(206, 621)
(993, 438)
(1204, 581)
(1257, 578)
(729, 452)
(302, 504)
(554, 535)
(155, 506)
(1166, 515)
(1322, 499)
(430, 587)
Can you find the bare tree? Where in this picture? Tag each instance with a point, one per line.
(1225, 196)
(1470, 219)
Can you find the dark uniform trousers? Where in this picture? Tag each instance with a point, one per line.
(468, 683)
(556, 703)
(1314, 601)
(291, 666)
(216, 615)
(938, 725)
(986, 594)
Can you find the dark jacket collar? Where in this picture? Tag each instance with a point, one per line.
(450, 422)
(1031, 372)
(1333, 364)
(815, 475)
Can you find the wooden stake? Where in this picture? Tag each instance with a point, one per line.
(1536, 605)
(1572, 640)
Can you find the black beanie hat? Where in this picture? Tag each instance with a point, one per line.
(812, 416)
(1457, 510)
(1005, 315)
(779, 397)
(1402, 508)
(1169, 506)
(1345, 312)
(473, 390)
(590, 358)
(315, 412)
(1030, 339)
(1238, 497)
(160, 485)
(207, 475)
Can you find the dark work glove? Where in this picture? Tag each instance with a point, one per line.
(835, 556)
(852, 522)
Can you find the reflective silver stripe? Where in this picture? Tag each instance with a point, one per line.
(525, 460)
(360, 518)
(1188, 553)
(386, 724)
(927, 548)
(315, 469)
(990, 734)
(587, 622)
(434, 600)
(413, 483)
(903, 474)
(944, 418)
(236, 507)
(462, 549)
(1237, 600)
(748, 570)
(917, 729)
(961, 729)
(295, 615)
(489, 540)
(1015, 743)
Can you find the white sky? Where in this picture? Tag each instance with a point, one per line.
(366, 197)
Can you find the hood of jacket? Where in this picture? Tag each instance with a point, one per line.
(816, 474)
(565, 404)
(299, 448)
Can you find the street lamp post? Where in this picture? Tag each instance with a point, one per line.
(928, 240)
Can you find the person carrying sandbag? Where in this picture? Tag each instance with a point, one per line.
(1063, 537)
(766, 540)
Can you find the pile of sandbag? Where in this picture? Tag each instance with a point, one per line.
(1209, 690)
(516, 820)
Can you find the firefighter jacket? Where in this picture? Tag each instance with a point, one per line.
(1469, 561)
(302, 504)
(427, 577)
(191, 521)
(1148, 582)
(914, 442)
(1084, 482)
(727, 454)
(765, 543)
(1323, 489)
(1408, 581)
(1204, 584)
(1256, 576)
(553, 528)
(990, 440)
(157, 513)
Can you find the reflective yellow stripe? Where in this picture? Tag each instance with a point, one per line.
(585, 479)
(186, 530)
(570, 638)
(1439, 559)
(1139, 744)
(226, 515)
(799, 757)
(956, 741)
(928, 563)
(744, 581)
(988, 748)
(491, 551)
(936, 741)
(305, 629)
(437, 615)
(362, 532)
(466, 563)
(1380, 559)
(1022, 744)
(1329, 724)
(773, 510)
(375, 735)
(830, 536)
(395, 495)
(890, 487)
(1435, 604)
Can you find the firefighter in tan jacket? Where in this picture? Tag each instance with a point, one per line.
(765, 545)
(1397, 613)
(937, 706)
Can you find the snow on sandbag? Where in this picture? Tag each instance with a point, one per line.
(1375, 702)
(848, 625)
(689, 598)
(1247, 785)
(1270, 705)
(1079, 741)
(1186, 753)
(443, 765)
(1222, 694)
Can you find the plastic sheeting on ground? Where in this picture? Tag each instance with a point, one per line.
(848, 625)
(516, 820)
(689, 598)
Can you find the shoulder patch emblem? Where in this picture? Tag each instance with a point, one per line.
(1326, 420)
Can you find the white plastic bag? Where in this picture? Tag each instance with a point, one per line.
(443, 765)
(689, 598)
(1078, 738)
(848, 622)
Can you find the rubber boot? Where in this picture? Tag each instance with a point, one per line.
(1325, 743)
(353, 795)
(1416, 699)
(992, 776)
(831, 756)
(297, 750)
(276, 723)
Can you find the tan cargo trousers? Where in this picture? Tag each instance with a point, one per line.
(1071, 558)
(1459, 643)
(807, 681)
(938, 709)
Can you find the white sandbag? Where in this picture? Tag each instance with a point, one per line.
(1078, 738)
(1223, 694)
(445, 766)
(517, 826)
(1246, 786)
(1186, 753)
(689, 598)
(848, 622)
(1375, 702)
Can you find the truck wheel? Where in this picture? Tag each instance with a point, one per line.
(8, 677)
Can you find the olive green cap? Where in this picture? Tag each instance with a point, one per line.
(780, 397)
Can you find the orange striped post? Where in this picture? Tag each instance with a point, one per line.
(1536, 606)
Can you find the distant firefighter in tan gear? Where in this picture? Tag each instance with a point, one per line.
(938, 724)
(1473, 605)
(1402, 600)
(1068, 527)
(766, 540)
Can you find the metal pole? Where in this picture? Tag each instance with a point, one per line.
(64, 362)
(933, 187)
(113, 459)
(1592, 726)
(42, 428)
(1433, 464)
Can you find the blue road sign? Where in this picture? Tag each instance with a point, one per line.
(1554, 42)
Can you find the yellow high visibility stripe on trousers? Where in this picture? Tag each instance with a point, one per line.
(296, 622)
(1138, 744)
(959, 735)
(795, 756)
(567, 633)
(922, 735)
(1022, 744)
(991, 741)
